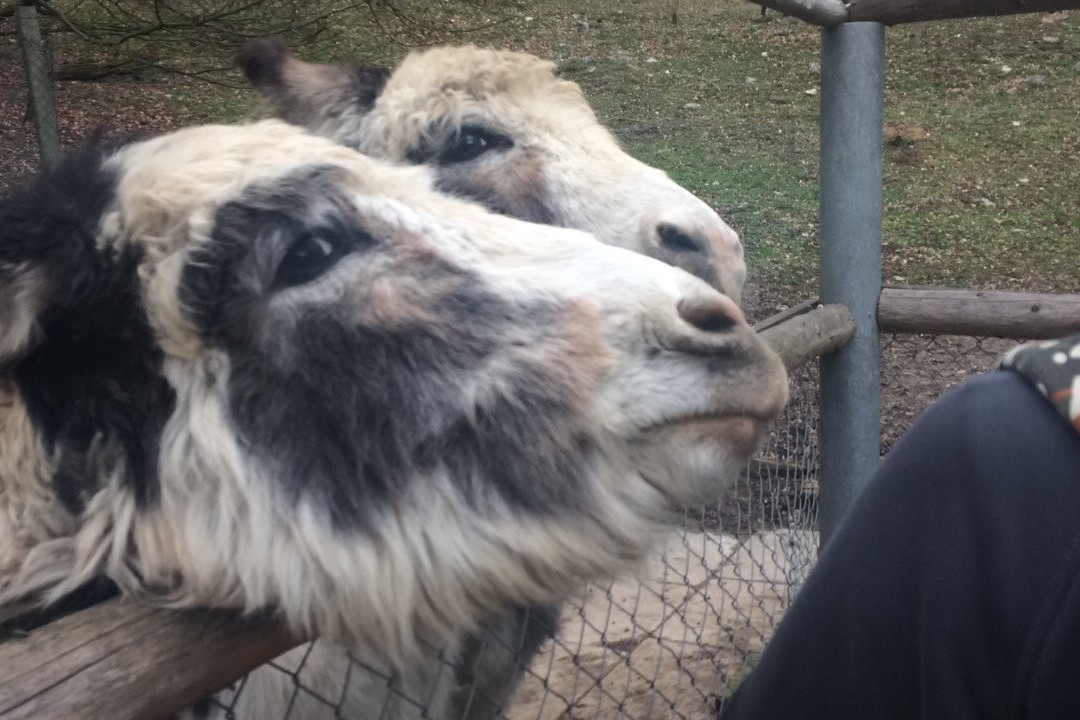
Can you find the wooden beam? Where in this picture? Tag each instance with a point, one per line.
(124, 661)
(828, 13)
(819, 12)
(892, 12)
(810, 335)
(936, 311)
(785, 315)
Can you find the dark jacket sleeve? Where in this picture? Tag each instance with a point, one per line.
(950, 591)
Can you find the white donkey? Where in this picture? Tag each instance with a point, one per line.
(500, 128)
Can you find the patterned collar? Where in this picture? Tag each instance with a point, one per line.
(1054, 368)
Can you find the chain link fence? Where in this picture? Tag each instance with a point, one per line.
(917, 369)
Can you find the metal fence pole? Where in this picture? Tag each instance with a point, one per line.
(39, 83)
(852, 98)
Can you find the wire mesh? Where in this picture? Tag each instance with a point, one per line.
(917, 369)
(669, 643)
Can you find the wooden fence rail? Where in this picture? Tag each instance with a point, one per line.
(125, 661)
(890, 12)
(803, 337)
(944, 311)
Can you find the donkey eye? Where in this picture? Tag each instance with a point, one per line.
(310, 256)
(472, 142)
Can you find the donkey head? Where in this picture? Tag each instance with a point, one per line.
(268, 371)
(498, 127)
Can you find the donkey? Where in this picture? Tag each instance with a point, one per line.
(498, 127)
(247, 367)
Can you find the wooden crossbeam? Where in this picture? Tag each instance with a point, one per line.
(891, 12)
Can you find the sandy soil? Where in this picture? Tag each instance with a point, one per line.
(672, 643)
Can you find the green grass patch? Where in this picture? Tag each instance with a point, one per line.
(982, 169)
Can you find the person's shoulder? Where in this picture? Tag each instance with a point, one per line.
(1053, 368)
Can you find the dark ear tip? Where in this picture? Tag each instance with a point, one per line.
(262, 60)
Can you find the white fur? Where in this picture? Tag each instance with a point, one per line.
(20, 303)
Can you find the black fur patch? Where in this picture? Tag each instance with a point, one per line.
(262, 61)
(360, 411)
(92, 384)
(494, 658)
(349, 412)
(87, 595)
(368, 84)
(270, 217)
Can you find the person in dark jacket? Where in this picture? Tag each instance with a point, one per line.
(951, 589)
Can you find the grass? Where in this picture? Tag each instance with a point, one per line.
(982, 159)
(987, 194)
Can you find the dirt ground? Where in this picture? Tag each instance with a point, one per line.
(118, 107)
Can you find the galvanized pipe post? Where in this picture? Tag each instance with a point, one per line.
(39, 82)
(852, 99)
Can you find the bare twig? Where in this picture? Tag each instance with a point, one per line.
(150, 34)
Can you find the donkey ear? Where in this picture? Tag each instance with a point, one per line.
(263, 62)
(327, 99)
(48, 253)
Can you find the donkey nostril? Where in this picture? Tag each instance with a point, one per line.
(713, 323)
(677, 241)
(711, 317)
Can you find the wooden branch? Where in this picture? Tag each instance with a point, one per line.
(891, 12)
(785, 315)
(810, 335)
(1022, 316)
(819, 12)
(94, 71)
(125, 661)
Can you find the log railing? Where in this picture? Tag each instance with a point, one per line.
(125, 661)
(806, 335)
(828, 13)
(983, 313)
